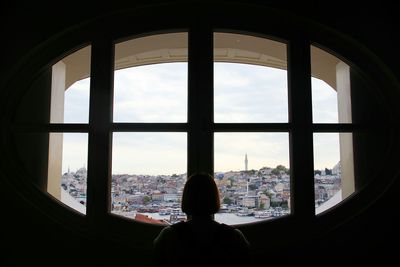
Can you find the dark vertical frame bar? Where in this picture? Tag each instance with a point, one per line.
(200, 100)
(301, 135)
(100, 119)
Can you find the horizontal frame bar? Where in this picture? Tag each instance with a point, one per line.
(251, 127)
(53, 127)
(149, 127)
(183, 127)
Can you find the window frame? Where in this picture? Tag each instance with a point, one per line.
(201, 127)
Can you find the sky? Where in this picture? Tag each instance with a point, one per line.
(158, 93)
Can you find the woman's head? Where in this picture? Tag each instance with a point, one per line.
(200, 195)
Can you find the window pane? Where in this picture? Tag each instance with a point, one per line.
(150, 79)
(70, 88)
(250, 79)
(77, 102)
(333, 169)
(252, 173)
(67, 175)
(148, 175)
(331, 101)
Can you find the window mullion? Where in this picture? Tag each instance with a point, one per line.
(200, 98)
(100, 119)
(301, 135)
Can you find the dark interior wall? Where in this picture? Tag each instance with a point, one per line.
(28, 236)
(34, 108)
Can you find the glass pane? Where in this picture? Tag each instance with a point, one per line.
(67, 174)
(324, 102)
(70, 85)
(252, 174)
(331, 101)
(250, 79)
(150, 79)
(148, 175)
(333, 169)
(77, 102)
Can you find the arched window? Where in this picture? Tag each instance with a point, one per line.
(114, 125)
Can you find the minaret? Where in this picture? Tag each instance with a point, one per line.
(246, 163)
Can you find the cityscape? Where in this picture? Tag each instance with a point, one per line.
(246, 196)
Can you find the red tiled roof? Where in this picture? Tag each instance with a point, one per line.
(144, 218)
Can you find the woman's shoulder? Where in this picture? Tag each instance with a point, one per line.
(228, 228)
(233, 234)
(167, 234)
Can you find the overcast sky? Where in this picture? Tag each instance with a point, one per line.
(158, 93)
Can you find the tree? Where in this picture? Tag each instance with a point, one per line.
(279, 169)
(227, 201)
(252, 171)
(146, 200)
(268, 194)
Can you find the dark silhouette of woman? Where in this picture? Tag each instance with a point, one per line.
(201, 241)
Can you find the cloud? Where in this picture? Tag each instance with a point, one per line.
(324, 102)
(326, 150)
(253, 93)
(158, 93)
(76, 102)
(75, 151)
(262, 149)
(151, 93)
(149, 153)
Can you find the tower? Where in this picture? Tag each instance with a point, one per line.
(246, 163)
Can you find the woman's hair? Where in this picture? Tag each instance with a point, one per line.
(200, 195)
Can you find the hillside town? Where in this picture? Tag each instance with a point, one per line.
(260, 194)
